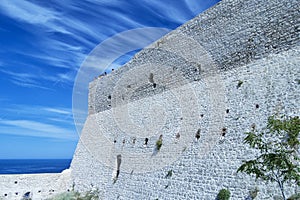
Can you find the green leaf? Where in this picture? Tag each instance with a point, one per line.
(279, 158)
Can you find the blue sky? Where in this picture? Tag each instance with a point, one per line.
(43, 44)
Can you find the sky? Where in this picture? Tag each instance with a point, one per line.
(43, 45)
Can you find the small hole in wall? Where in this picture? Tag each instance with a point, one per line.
(16, 193)
(198, 134)
(224, 131)
(227, 110)
(39, 191)
(115, 141)
(154, 85)
(195, 70)
(123, 141)
(201, 115)
(133, 140)
(5, 195)
(109, 97)
(240, 83)
(16, 182)
(26, 195)
(256, 106)
(146, 141)
(169, 174)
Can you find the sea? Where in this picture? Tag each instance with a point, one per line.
(33, 166)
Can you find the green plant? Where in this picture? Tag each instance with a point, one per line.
(66, 196)
(278, 145)
(294, 197)
(223, 194)
(158, 144)
(90, 195)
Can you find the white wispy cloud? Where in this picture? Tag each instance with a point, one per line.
(34, 80)
(63, 111)
(39, 121)
(29, 85)
(61, 115)
(27, 11)
(53, 51)
(27, 77)
(61, 120)
(28, 80)
(48, 18)
(35, 128)
(66, 77)
(37, 112)
(31, 13)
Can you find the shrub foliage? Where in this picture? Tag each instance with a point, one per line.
(278, 146)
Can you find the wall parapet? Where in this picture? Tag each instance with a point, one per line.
(233, 33)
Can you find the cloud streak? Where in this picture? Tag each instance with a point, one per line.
(35, 128)
(24, 79)
(34, 80)
(59, 110)
(34, 14)
(38, 121)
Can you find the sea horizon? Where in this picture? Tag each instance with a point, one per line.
(33, 165)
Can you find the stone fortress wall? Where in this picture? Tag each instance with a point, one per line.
(39, 186)
(227, 69)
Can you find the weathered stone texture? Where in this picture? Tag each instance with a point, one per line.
(40, 186)
(233, 33)
(265, 82)
(232, 66)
